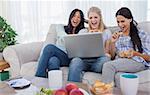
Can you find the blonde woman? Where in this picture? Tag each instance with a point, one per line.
(78, 65)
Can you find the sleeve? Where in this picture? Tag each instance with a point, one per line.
(83, 31)
(145, 42)
(108, 34)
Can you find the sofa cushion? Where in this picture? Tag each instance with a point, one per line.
(50, 38)
(91, 77)
(114, 29)
(144, 76)
(144, 26)
(28, 69)
(51, 35)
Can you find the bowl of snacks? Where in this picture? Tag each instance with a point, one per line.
(100, 88)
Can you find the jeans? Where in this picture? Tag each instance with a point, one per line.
(78, 65)
(52, 58)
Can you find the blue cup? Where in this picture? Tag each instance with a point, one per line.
(130, 76)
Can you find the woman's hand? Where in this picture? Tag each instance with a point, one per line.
(108, 55)
(115, 36)
(94, 30)
(131, 53)
(126, 54)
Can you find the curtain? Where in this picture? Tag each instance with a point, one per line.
(31, 18)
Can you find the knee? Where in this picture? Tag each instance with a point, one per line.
(107, 65)
(76, 60)
(104, 59)
(49, 47)
(54, 60)
(75, 63)
(107, 58)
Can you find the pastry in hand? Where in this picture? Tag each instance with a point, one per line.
(126, 54)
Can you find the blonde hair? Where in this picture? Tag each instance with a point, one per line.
(98, 11)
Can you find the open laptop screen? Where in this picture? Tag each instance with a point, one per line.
(84, 45)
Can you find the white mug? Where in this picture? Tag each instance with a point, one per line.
(129, 83)
(55, 79)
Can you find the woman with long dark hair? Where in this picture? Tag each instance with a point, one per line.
(54, 55)
(131, 45)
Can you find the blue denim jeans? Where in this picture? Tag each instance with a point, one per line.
(78, 65)
(52, 58)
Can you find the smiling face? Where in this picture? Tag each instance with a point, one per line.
(123, 23)
(94, 20)
(76, 19)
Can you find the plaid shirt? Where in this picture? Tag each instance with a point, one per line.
(124, 43)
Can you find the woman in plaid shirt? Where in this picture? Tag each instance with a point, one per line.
(131, 45)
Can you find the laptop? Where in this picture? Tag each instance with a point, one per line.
(86, 45)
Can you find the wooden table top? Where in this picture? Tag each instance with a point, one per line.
(3, 65)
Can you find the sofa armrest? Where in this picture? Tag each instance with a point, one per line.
(16, 55)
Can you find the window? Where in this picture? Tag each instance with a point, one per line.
(35, 16)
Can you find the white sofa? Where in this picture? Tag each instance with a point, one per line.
(23, 57)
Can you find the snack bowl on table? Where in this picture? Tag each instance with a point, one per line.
(100, 88)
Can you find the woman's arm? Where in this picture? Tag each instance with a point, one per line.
(110, 49)
(85, 30)
(107, 48)
(131, 53)
(145, 39)
(144, 56)
(110, 45)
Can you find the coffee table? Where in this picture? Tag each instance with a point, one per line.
(43, 82)
(38, 82)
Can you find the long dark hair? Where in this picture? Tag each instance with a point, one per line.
(124, 11)
(69, 27)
